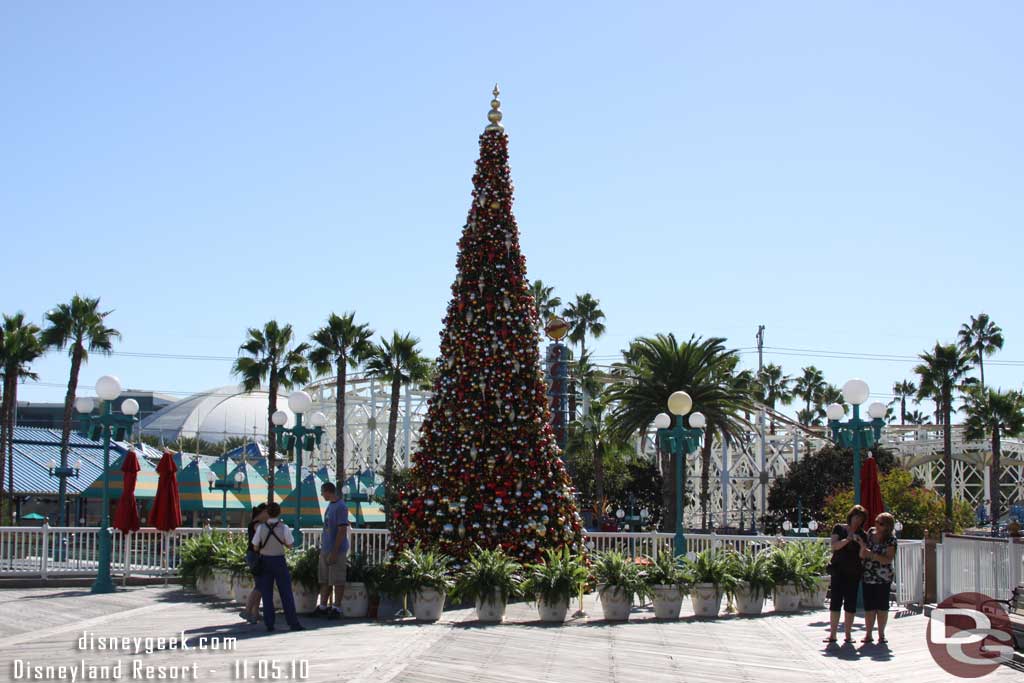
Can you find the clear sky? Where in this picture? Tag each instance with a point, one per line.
(848, 174)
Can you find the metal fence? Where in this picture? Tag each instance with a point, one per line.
(979, 564)
(46, 552)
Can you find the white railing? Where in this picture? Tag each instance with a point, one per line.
(979, 564)
(46, 552)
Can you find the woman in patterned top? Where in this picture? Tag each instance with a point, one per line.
(878, 555)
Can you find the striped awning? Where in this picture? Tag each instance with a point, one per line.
(313, 505)
(145, 485)
(194, 489)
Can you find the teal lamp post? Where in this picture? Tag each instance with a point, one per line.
(680, 441)
(110, 427)
(300, 438)
(856, 433)
(225, 485)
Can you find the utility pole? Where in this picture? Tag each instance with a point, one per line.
(763, 478)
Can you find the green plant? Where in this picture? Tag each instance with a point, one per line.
(198, 556)
(421, 568)
(816, 555)
(304, 566)
(487, 572)
(754, 568)
(714, 567)
(616, 570)
(561, 576)
(230, 555)
(385, 579)
(665, 570)
(358, 568)
(787, 566)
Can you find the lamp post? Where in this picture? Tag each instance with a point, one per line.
(109, 426)
(225, 485)
(680, 441)
(856, 433)
(300, 438)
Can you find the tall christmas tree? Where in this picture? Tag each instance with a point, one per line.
(487, 470)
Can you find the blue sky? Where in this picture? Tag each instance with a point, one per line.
(848, 175)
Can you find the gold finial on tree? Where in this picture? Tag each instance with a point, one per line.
(494, 115)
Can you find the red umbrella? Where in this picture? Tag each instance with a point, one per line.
(127, 517)
(870, 491)
(165, 514)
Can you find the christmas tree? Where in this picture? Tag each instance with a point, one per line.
(487, 470)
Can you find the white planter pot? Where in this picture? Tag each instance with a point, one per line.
(305, 599)
(204, 586)
(815, 598)
(221, 584)
(552, 611)
(355, 602)
(491, 611)
(615, 603)
(668, 601)
(427, 604)
(747, 601)
(707, 601)
(786, 598)
(243, 586)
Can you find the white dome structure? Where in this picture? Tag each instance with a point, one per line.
(215, 415)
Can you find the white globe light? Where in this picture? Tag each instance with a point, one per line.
(680, 403)
(620, 513)
(279, 418)
(345, 489)
(898, 526)
(318, 419)
(876, 410)
(813, 525)
(856, 391)
(129, 407)
(662, 421)
(211, 477)
(239, 476)
(787, 525)
(300, 402)
(835, 411)
(698, 421)
(108, 387)
(84, 404)
(645, 513)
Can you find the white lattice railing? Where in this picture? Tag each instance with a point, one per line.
(979, 564)
(46, 552)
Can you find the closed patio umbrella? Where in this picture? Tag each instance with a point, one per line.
(870, 491)
(165, 514)
(127, 516)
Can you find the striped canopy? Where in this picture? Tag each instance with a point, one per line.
(361, 514)
(313, 506)
(254, 489)
(195, 493)
(145, 486)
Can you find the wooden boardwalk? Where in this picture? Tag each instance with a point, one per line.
(43, 626)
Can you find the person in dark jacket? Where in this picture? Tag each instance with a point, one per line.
(846, 569)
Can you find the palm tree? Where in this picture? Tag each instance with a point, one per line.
(981, 337)
(397, 360)
(596, 434)
(339, 344)
(546, 303)
(80, 327)
(19, 347)
(584, 317)
(808, 386)
(941, 372)
(703, 368)
(994, 414)
(902, 391)
(267, 355)
(916, 417)
(773, 387)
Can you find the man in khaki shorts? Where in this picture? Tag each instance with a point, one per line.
(333, 551)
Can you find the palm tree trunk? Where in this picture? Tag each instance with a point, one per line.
(272, 437)
(981, 367)
(65, 427)
(947, 456)
(339, 422)
(705, 473)
(389, 449)
(599, 474)
(994, 488)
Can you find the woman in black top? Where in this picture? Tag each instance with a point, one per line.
(846, 569)
(251, 613)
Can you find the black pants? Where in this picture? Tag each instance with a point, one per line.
(844, 592)
(876, 597)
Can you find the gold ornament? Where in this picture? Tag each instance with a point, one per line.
(494, 115)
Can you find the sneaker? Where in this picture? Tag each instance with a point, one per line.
(245, 615)
(320, 612)
(334, 614)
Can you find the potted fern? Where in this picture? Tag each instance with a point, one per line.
(667, 583)
(618, 580)
(196, 558)
(355, 601)
(712, 574)
(489, 579)
(752, 571)
(386, 588)
(554, 582)
(790, 576)
(427, 577)
(304, 566)
(817, 554)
